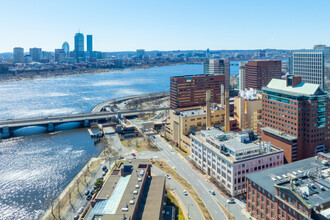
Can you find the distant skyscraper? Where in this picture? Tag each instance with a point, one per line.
(218, 67)
(35, 54)
(241, 86)
(89, 43)
(140, 53)
(59, 55)
(66, 48)
(18, 55)
(259, 73)
(79, 44)
(312, 65)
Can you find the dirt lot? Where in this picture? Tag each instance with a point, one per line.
(139, 144)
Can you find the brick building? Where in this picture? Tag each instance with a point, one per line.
(190, 90)
(295, 117)
(260, 72)
(298, 190)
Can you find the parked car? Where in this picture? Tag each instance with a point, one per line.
(87, 192)
(104, 168)
(168, 177)
(185, 192)
(80, 210)
(92, 192)
(133, 154)
(230, 201)
(212, 191)
(89, 197)
(85, 203)
(76, 217)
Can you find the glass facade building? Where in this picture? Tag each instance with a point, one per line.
(312, 65)
(79, 44)
(89, 43)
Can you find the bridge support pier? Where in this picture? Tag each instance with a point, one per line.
(51, 127)
(86, 123)
(5, 132)
(119, 115)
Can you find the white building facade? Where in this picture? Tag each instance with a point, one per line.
(228, 157)
(312, 65)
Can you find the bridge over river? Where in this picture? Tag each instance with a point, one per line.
(8, 126)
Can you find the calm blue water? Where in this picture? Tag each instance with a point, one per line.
(35, 169)
(80, 93)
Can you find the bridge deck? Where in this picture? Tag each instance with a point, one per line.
(70, 118)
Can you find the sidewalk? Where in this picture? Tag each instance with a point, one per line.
(71, 185)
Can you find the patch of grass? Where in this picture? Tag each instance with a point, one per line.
(172, 201)
(161, 164)
(140, 144)
(227, 213)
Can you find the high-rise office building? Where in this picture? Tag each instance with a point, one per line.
(89, 43)
(190, 90)
(259, 73)
(66, 48)
(218, 66)
(60, 55)
(79, 45)
(241, 85)
(312, 65)
(35, 54)
(296, 117)
(18, 55)
(140, 53)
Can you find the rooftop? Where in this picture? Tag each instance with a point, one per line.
(307, 89)
(197, 111)
(310, 179)
(279, 133)
(235, 146)
(121, 192)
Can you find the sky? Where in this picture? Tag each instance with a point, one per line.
(127, 25)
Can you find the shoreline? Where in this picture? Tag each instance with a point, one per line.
(72, 73)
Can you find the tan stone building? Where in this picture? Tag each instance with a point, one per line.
(248, 110)
(183, 121)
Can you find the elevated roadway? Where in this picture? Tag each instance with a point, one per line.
(8, 126)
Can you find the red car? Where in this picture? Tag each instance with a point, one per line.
(133, 154)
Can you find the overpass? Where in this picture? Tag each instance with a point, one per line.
(10, 125)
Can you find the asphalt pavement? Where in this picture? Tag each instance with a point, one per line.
(188, 202)
(200, 184)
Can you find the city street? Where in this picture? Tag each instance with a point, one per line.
(189, 204)
(200, 184)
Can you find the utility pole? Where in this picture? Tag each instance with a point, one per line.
(188, 210)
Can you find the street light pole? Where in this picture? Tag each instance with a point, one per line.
(188, 210)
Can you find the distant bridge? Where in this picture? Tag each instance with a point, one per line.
(8, 126)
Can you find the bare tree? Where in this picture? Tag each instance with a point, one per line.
(70, 191)
(85, 176)
(78, 183)
(59, 207)
(149, 141)
(53, 208)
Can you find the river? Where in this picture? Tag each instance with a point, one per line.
(35, 169)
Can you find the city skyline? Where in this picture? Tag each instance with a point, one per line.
(177, 26)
